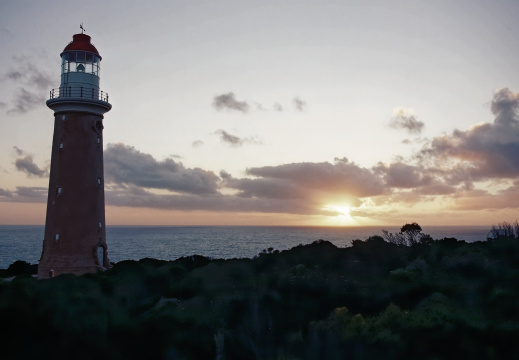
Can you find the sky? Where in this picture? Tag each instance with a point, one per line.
(286, 112)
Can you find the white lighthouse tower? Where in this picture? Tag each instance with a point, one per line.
(75, 236)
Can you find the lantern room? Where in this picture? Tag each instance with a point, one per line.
(80, 63)
(79, 87)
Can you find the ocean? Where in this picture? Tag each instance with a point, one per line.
(22, 242)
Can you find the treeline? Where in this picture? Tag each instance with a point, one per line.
(434, 299)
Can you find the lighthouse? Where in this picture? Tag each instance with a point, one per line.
(75, 229)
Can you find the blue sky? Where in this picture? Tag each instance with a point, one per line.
(283, 112)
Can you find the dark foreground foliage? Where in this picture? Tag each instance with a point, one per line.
(441, 299)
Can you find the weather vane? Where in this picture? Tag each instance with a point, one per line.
(82, 28)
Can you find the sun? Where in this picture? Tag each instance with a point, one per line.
(342, 212)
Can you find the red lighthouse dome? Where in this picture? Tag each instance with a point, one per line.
(81, 42)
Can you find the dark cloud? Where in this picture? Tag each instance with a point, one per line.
(5, 193)
(126, 165)
(31, 82)
(437, 189)
(299, 104)
(26, 100)
(504, 106)
(215, 202)
(36, 193)
(29, 74)
(265, 188)
(229, 139)
(486, 151)
(24, 194)
(478, 199)
(18, 151)
(290, 188)
(236, 141)
(400, 175)
(341, 177)
(14, 75)
(228, 101)
(25, 163)
(3, 104)
(405, 119)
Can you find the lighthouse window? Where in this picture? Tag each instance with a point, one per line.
(59, 190)
(61, 145)
(78, 61)
(63, 117)
(98, 140)
(100, 224)
(98, 181)
(57, 237)
(80, 57)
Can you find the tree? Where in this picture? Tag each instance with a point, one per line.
(505, 230)
(411, 232)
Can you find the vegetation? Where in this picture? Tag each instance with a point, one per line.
(377, 299)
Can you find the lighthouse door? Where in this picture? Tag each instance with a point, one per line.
(100, 254)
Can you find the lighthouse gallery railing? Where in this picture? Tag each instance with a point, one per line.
(79, 92)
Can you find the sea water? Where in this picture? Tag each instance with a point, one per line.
(21, 242)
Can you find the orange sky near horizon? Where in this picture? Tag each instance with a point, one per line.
(34, 214)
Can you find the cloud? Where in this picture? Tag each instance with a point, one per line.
(18, 151)
(236, 141)
(217, 202)
(31, 81)
(504, 199)
(26, 100)
(341, 177)
(197, 143)
(5, 193)
(3, 104)
(124, 165)
(14, 75)
(400, 175)
(406, 119)
(504, 106)
(229, 139)
(295, 188)
(228, 101)
(36, 193)
(486, 151)
(299, 104)
(264, 188)
(24, 194)
(27, 73)
(26, 164)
